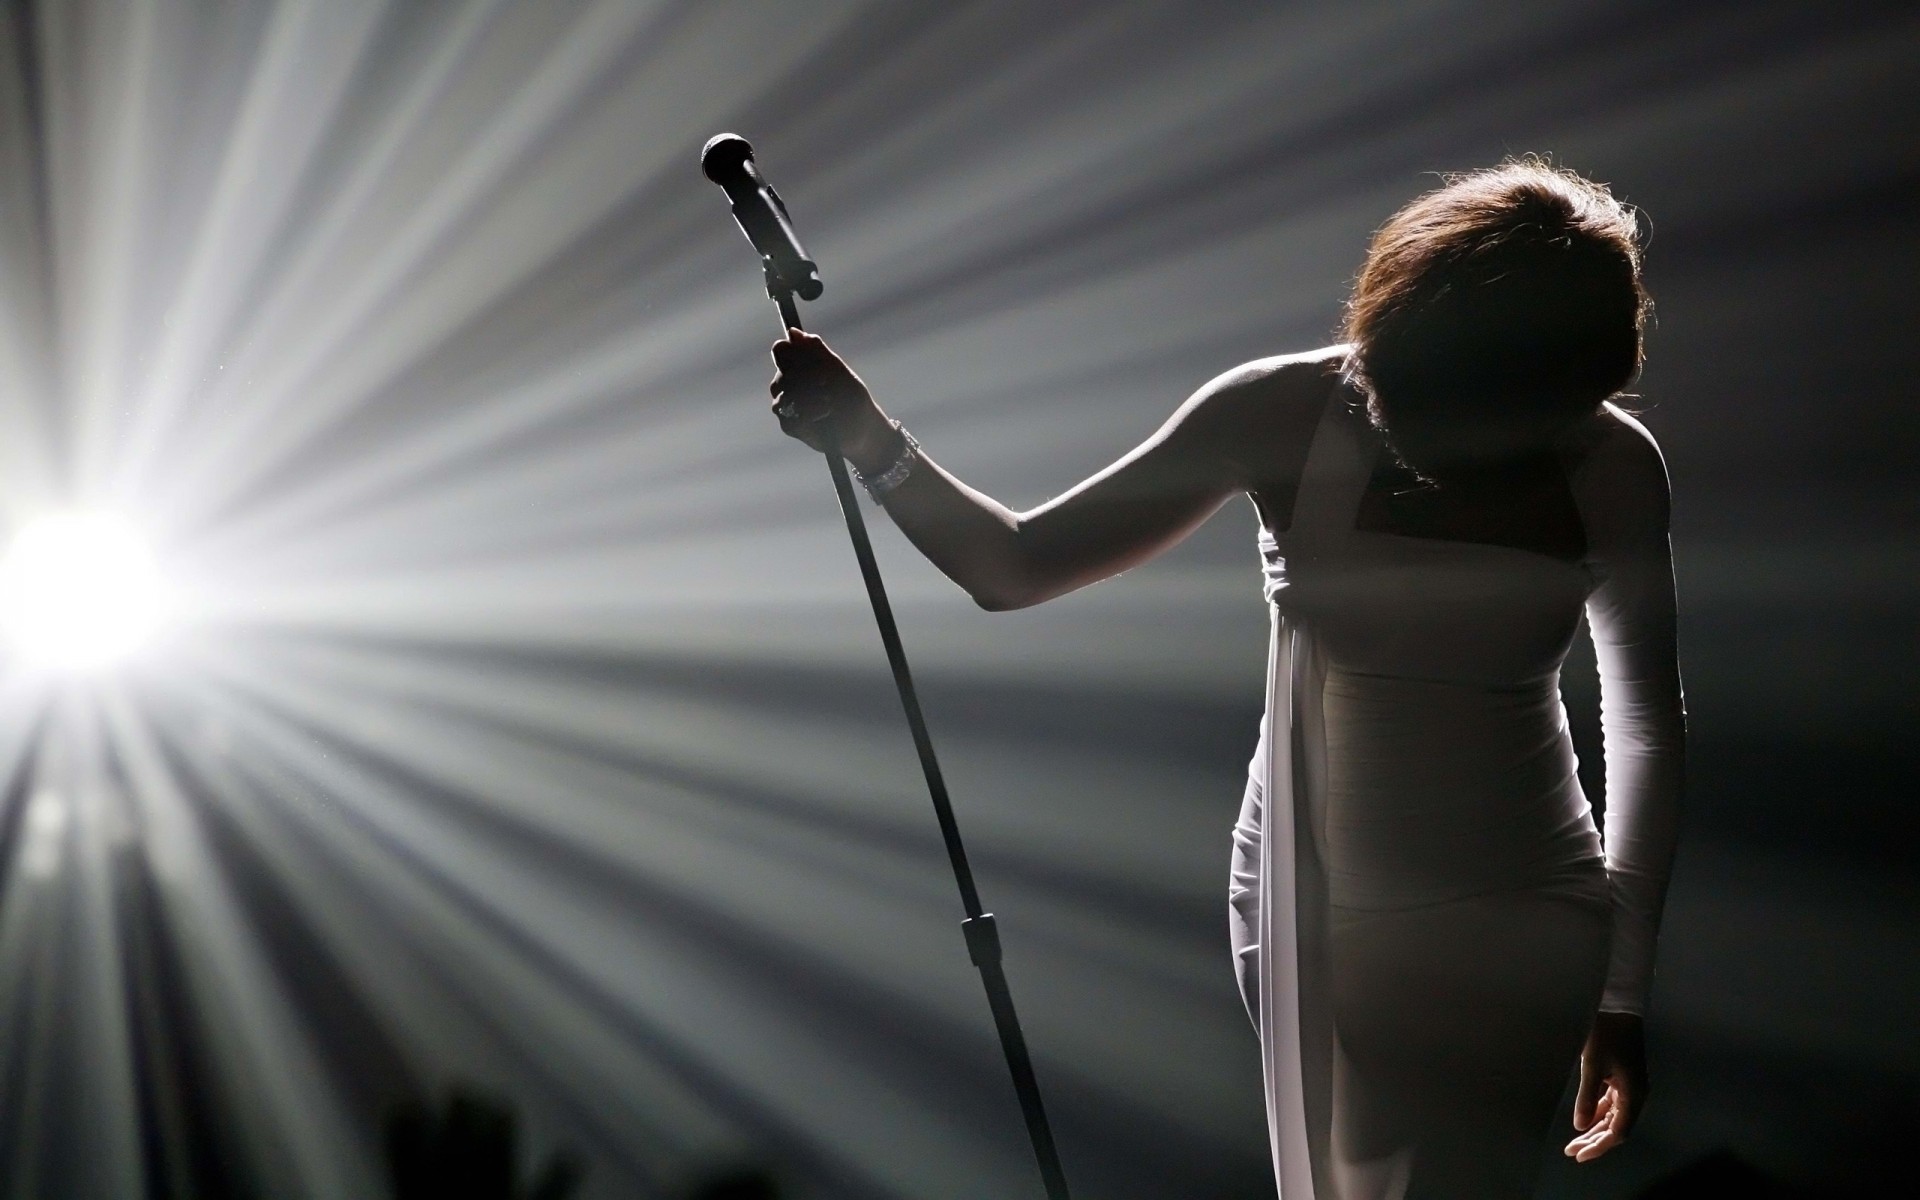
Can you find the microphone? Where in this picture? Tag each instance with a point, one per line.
(727, 159)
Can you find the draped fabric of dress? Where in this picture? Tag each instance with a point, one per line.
(1415, 753)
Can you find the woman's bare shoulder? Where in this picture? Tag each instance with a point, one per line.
(1267, 393)
(1281, 378)
(1257, 419)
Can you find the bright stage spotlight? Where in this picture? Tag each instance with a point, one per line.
(79, 591)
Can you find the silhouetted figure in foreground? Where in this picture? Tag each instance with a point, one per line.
(466, 1149)
(745, 1184)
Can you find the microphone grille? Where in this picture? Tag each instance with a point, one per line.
(724, 156)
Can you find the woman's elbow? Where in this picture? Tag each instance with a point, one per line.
(1005, 591)
(1024, 589)
(1004, 599)
(1014, 579)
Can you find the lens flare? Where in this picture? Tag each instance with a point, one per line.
(79, 591)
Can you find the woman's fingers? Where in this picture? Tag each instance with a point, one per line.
(801, 349)
(1597, 1125)
(1594, 1145)
(1607, 1130)
(817, 396)
(799, 413)
(802, 356)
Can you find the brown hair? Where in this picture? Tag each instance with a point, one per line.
(1496, 311)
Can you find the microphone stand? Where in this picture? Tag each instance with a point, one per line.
(983, 937)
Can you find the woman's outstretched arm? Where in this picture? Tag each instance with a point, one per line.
(1134, 509)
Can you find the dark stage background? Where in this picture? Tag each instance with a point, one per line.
(526, 727)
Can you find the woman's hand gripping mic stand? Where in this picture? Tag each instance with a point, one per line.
(728, 161)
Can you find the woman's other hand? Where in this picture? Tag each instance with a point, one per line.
(817, 396)
(1613, 1085)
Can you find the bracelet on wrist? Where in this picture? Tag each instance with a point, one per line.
(882, 482)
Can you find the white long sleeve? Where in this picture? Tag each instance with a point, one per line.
(1624, 496)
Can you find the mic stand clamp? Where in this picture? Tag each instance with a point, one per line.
(780, 292)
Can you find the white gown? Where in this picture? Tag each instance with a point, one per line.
(1422, 771)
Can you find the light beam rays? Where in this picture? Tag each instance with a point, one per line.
(526, 724)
